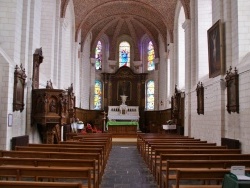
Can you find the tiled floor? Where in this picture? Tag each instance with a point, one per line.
(126, 169)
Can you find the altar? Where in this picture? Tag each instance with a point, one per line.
(123, 113)
(122, 127)
(123, 119)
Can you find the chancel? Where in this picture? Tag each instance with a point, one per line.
(123, 115)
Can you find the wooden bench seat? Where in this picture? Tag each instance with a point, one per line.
(55, 155)
(161, 163)
(107, 143)
(65, 150)
(141, 138)
(199, 186)
(172, 165)
(158, 152)
(151, 153)
(84, 138)
(148, 147)
(198, 174)
(37, 162)
(70, 136)
(83, 145)
(146, 142)
(38, 173)
(29, 184)
(91, 136)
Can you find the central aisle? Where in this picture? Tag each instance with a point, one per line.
(126, 169)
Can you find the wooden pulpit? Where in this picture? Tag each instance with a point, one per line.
(51, 109)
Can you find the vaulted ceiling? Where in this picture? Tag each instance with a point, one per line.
(134, 18)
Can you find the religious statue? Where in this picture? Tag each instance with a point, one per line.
(52, 106)
(49, 85)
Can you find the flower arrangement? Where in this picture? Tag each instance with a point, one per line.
(80, 125)
(89, 128)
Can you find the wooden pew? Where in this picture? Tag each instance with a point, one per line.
(19, 172)
(67, 150)
(105, 141)
(83, 145)
(92, 136)
(47, 162)
(158, 152)
(191, 157)
(55, 155)
(199, 174)
(186, 146)
(141, 138)
(28, 184)
(107, 138)
(147, 145)
(194, 164)
(70, 136)
(146, 142)
(144, 145)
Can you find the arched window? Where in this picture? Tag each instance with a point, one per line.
(150, 95)
(124, 54)
(98, 95)
(181, 49)
(98, 56)
(151, 56)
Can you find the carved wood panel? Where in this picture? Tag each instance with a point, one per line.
(232, 84)
(177, 107)
(200, 98)
(51, 109)
(37, 60)
(19, 83)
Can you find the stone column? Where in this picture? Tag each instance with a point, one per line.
(188, 71)
(172, 68)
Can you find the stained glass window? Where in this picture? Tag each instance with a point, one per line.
(150, 95)
(98, 56)
(151, 56)
(98, 95)
(124, 54)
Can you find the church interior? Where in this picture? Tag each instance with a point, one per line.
(150, 71)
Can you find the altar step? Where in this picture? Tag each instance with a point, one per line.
(124, 141)
(124, 135)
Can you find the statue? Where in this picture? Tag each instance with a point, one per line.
(124, 98)
(52, 107)
(49, 85)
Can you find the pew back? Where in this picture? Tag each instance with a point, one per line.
(28, 184)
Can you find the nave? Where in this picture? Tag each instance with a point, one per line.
(126, 169)
(99, 160)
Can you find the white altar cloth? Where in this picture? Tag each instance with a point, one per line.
(169, 127)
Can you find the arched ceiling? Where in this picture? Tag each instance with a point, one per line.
(125, 17)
